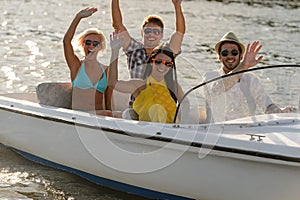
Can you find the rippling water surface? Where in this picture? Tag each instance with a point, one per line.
(31, 52)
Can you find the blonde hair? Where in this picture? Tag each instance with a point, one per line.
(92, 31)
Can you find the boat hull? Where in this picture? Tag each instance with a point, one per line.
(111, 152)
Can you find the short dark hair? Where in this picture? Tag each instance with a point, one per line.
(153, 19)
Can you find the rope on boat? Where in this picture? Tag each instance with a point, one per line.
(227, 75)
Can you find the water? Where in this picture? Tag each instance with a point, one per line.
(31, 52)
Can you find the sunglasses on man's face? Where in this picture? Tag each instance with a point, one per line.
(90, 42)
(165, 62)
(225, 53)
(156, 31)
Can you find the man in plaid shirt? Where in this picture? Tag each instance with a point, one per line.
(153, 31)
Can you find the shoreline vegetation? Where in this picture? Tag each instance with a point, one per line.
(288, 4)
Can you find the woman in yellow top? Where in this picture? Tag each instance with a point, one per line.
(156, 95)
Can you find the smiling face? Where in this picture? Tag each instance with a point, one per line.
(232, 60)
(152, 34)
(90, 42)
(161, 64)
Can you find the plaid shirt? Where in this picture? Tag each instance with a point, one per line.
(136, 59)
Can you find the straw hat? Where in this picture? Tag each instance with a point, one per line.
(229, 37)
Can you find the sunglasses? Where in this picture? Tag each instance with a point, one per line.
(225, 53)
(159, 61)
(152, 30)
(90, 42)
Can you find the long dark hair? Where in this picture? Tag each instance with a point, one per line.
(171, 76)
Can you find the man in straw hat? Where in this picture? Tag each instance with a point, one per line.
(236, 96)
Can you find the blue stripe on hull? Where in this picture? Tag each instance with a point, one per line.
(103, 181)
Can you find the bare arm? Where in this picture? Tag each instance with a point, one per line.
(117, 23)
(108, 95)
(129, 86)
(184, 111)
(72, 60)
(117, 19)
(180, 92)
(177, 36)
(113, 67)
(124, 86)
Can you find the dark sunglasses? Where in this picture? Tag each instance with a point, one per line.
(152, 30)
(159, 61)
(225, 53)
(90, 42)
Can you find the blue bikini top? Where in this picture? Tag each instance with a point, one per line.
(82, 80)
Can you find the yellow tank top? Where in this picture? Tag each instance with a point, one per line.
(155, 103)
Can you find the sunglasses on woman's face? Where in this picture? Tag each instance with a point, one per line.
(165, 62)
(156, 31)
(225, 53)
(90, 42)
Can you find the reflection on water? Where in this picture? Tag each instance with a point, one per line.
(23, 179)
(288, 4)
(19, 185)
(31, 34)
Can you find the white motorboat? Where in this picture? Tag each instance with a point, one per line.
(256, 157)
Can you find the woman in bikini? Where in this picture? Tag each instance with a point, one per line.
(88, 76)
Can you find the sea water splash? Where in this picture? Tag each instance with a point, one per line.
(20, 185)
